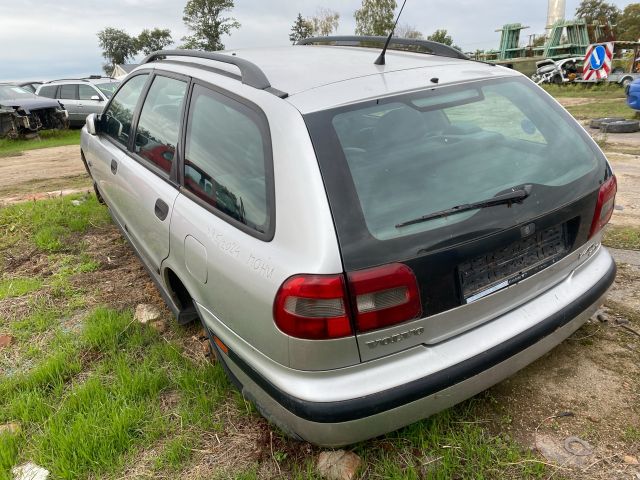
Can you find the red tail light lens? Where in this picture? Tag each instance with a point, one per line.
(313, 307)
(384, 296)
(605, 205)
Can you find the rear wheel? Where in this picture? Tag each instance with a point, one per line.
(626, 82)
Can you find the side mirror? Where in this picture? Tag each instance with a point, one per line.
(96, 98)
(91, 124)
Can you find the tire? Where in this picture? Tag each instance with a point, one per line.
(625, 126)
(598, 122)
(626, 82)
(557, 79)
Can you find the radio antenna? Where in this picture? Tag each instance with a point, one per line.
(380, 60)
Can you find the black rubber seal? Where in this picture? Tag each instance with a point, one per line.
(362, 407)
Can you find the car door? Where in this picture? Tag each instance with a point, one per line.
(89, 100)
(147, 176)
(68, 96)
(109, 149)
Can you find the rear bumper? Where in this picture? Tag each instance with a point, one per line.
(455, 370)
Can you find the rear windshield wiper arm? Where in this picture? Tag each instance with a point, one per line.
(509, 198)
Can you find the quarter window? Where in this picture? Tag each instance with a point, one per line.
(69, 92)
(116, 120)
(159, 125)
(85, 92)
(226, 155)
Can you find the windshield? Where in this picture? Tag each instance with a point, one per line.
(108, 88)
(9, 92)
(417, 154)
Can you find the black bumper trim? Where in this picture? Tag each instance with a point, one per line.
(362, 407)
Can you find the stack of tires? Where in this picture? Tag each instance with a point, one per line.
(615, 125)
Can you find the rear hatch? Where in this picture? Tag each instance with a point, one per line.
(403, 174)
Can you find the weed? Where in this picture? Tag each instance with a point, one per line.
(17, 287)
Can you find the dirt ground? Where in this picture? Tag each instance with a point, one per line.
(587, 388)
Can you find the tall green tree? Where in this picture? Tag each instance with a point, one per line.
(302, 28)
(628, 27)
(375, 17)
(153, 40)
(442, 36)
(599, 10)
(325, 21)
(206, 21)
(117, 47)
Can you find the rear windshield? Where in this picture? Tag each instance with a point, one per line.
(393, 160)
(415, 155)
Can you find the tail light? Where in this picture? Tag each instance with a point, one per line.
(604, 207)
(384, 296)
(318, 306)
(313, 307)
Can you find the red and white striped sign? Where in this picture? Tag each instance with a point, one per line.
(597, 62)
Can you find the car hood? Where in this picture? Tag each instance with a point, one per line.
(28, 104)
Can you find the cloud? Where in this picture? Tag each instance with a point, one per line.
(45, 39)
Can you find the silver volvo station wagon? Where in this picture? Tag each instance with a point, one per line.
(366, 244)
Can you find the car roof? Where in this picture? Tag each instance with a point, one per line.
(320, 76)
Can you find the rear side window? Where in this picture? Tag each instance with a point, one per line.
(48, 91)
(85, 92)
(116, 120)
(159, 125)
(68, 92)
(226, 157)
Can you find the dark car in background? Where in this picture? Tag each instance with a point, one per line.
(23, 113)
(81, 97)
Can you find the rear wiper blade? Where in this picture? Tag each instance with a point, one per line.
(509, 198)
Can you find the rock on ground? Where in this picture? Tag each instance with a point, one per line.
(5, 340)
(30, 471)
(146, 313)
(338, 465)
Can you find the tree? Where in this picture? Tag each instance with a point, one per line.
(150, 41)
(600, 10)
(204, 18)
(117, 47)
(375, 17)
(442, 36)
(628, 27)
(325, 21)
(302, 28)
(404, 30)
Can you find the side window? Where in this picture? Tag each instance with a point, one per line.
(85, 92)
(226, 155)
(48, 91)
(116, 120)
(68, 92)
(159, 124)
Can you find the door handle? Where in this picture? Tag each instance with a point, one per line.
(161, 209)
(114, 167)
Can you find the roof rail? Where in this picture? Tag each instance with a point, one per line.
(250, 73)
(433, 48)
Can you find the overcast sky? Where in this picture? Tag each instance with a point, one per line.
(47, 39)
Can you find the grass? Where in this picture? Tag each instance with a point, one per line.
(599, 91)
(89, 400)
(17, 287)
(94, 424)
(49, 225)
(609, 107)
(46, 139)
(627, 238)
